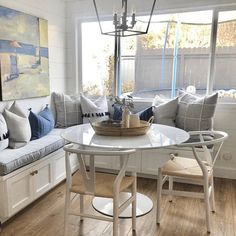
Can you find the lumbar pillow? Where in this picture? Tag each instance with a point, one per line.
(196, 113)
(4, 134)
(41, 123)
(68, 109)
(94, 110)
(165, 113)
(18, 126)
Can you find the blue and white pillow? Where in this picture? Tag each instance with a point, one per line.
(94, 110)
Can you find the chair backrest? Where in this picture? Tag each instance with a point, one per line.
(87, 171)
(209, 143)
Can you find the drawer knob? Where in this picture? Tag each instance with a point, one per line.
(34, 173)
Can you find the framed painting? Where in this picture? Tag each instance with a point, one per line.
(24, 63)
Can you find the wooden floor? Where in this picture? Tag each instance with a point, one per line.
(184, 216)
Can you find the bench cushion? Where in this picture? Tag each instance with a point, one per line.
(12, 159)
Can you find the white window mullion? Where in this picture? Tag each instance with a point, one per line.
(211, 70)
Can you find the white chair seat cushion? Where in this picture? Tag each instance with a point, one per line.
(184, 168)
(103, 185)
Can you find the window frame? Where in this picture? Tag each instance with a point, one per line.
(212, 55)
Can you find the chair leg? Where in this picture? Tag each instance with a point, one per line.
(115, 216)
(81, 202)
(213, 205)
(207, 204)
(67, 208)
(159, 189)
(170, 188)
(134, 190)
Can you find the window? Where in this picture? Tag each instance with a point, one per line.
(225, 64)
(97, 60)
(175, 54)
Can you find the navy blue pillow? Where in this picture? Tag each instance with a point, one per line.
(143, 115)
(146, 114)
(41, 124)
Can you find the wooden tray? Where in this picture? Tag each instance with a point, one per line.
(115, 128)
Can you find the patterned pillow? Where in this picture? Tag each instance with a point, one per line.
(94, 110)
(68, 109)
(196, 113)
(4, 134)
(165, 113)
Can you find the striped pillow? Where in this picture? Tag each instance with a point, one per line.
(196, 113)
(68, 109)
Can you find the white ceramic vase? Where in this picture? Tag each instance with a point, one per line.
(125, 117)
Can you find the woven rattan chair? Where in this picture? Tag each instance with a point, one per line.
(206, 146)
(86, 181)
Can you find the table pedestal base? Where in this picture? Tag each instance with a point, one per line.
(105, 205)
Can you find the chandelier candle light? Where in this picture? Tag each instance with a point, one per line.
(123, 22)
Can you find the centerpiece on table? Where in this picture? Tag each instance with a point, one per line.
(130, 124)
(125, 104)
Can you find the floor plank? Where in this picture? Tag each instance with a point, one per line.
(183, 216)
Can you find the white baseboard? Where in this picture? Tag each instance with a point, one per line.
(225, 172)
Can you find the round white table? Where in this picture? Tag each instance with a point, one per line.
(158, 136)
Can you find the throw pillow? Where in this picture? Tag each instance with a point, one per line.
(146, 114)
(196, 113)
(143, 115)
(94, 110)
(4, 134)
(68, 109)
(18, 126)
(47, 114)
(41, 123)
(165, 113)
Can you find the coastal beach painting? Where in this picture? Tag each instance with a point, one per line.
(24, 67)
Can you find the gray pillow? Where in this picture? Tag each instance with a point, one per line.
(165, 113)
(196, 113)
(68, 109)
(18, 126)
(4, 141)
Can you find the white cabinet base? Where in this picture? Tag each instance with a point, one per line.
(21, 187)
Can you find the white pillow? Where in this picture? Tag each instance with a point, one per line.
(165, 113)
(158, 100)
(18, 126)
(4, 141)
(94, 110)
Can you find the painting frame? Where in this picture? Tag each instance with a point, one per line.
(24, 55)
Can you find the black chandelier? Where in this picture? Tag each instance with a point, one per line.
(124, 21)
